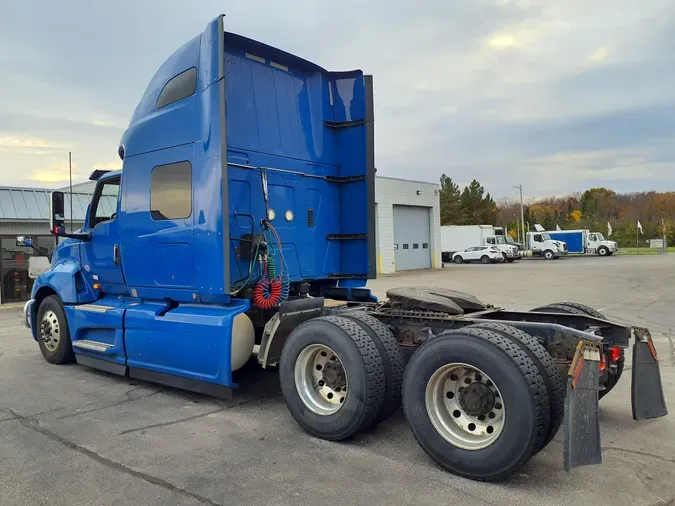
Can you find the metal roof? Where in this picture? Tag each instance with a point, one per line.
(31, 204)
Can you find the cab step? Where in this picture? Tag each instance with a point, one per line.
(88, 345)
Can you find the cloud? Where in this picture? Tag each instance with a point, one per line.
(599, 55)
(555, 94)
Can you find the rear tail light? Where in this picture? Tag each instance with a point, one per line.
(614, 353)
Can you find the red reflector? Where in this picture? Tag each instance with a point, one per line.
(614, 353)
(603, 366)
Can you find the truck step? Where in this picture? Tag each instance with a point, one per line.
(86, 344)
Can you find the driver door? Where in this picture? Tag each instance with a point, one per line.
(101, 256)
(537, 242)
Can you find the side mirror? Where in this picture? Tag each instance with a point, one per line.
(24, 241)
(57, 215)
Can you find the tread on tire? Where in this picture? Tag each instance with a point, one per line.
(555, 386)
(523, 393)
(363, 367)
(392, 360)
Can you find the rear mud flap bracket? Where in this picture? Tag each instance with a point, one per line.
(581, 424)
(646, 389)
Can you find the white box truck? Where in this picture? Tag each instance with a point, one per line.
(456, 238)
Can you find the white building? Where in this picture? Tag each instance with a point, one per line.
(408, 228)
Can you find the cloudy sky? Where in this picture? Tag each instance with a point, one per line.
(558, 95)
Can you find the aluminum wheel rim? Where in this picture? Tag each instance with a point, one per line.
(321, 379)
(50, 332)
(449, 417)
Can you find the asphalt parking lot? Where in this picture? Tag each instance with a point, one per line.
(73, 436)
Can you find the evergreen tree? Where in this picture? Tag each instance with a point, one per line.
(451, 205)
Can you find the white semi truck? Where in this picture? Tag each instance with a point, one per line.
(459, 237)
(541, 244)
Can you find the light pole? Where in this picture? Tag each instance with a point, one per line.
(522, 218)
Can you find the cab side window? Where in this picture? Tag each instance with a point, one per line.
(537, 238)
(104, 204)
(178, 87)
(171, 191)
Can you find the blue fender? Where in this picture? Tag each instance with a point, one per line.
(61, 280)
(66, 280)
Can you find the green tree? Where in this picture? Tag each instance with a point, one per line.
(480, 209)
(451, 205)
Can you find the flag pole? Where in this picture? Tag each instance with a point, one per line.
(637, 240)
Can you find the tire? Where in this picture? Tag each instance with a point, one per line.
(555, 387)
(485, 259)
(582, 309)
(392, 360)
(603, 251)
(362, 367)
(549, 255)
(521, 390)
(52, 315)
(458, 259)
(504, 256)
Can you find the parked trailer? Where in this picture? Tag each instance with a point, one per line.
(585, 242)
(237, 230)
(456, 238)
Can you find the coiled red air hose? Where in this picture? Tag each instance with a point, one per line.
(266, 294)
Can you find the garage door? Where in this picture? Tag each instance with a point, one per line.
(411, 238)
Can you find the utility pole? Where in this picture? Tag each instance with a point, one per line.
(70, 177)
(522, 216)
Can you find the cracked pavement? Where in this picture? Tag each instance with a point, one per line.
(74, 436)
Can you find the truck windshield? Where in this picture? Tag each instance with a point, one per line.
(509, 239)
(599, 237)
(499, 239)
(546, 237)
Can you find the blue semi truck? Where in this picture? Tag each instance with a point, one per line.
(242, 228)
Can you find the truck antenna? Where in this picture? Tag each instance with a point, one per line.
(70, 177)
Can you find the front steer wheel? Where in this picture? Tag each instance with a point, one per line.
(53, 332)
(476, 404)
(332, 377)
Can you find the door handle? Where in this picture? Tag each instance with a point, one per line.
(116, 254)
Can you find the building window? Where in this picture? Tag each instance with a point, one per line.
(179, 87)
(171, 191)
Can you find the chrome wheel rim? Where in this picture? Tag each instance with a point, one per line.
(465, 406)
(50, 332)
(321, 379)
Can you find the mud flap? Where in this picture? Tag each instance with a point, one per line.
(646, 389)
(581, 424)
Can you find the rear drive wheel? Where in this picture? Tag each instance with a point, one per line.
(582, 309)
(53, 332)
(458, 259)
(476, 404)
(332, 377)
(392, 360)
(548, 254)
(485, 259)
(555, 387)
